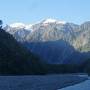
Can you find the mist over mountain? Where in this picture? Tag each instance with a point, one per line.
(54, 41)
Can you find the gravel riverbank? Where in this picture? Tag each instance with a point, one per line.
(81, 86)
(45, 82)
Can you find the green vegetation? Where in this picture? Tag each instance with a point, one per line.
(63, 68)
(86, 66)
(15, 59)
(1, 22)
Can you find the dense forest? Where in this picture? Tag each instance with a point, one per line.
(14, 58)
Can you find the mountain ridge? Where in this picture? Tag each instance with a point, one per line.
(78, 36)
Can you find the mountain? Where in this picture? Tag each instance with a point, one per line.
(54, 41)
(16, 59)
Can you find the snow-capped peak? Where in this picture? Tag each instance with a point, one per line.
(28, 26)
(17, 25)
(20, 25)
(53, 21)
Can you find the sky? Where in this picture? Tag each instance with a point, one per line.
(31, 11)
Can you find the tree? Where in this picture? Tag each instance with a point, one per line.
(1, 22)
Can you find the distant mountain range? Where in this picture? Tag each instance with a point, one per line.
(54, 41)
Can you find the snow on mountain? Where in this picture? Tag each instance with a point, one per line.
(17, 25)
(46, 21)
(21, 26)
(28, 27)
